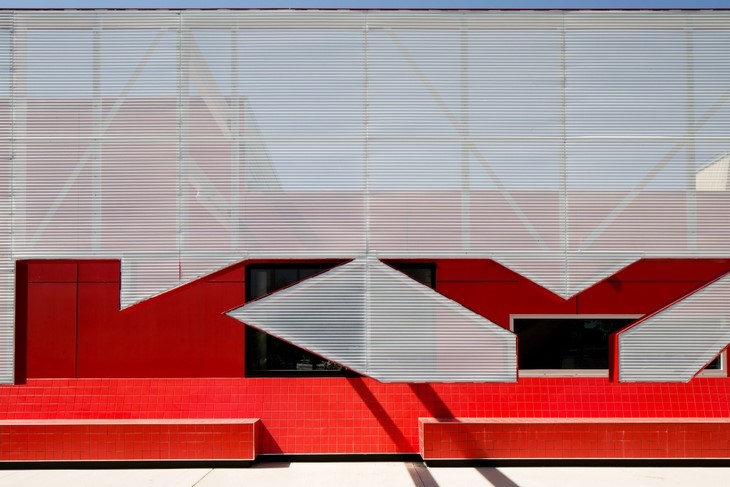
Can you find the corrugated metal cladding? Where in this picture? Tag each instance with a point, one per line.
(377, 321)
(564, 144)
(677, 342)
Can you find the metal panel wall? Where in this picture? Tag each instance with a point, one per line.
(563, 144)
(7, 279)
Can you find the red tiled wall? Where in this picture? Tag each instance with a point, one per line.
(354, 415)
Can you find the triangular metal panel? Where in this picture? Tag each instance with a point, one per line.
(323, 314)
(566, 273)
(588, 268)
(675, 344)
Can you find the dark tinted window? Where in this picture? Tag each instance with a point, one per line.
(565, 343)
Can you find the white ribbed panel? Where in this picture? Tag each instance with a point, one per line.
(675, 344)
(7, 271)
(181, 141)
(566, 273)
(377, 321)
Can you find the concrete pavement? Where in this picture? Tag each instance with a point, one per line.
(352, 474)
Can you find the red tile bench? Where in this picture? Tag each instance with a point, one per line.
(128, 439)
(577, 438)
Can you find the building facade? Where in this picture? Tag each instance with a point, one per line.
(463, 234)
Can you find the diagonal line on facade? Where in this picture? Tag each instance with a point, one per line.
(469, 145)
(91, 149)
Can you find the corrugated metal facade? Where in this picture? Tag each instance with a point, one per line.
(565, 145)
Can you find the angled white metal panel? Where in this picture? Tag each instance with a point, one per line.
(376, 321)
(676, 343)
(566, 273)
(324, 314)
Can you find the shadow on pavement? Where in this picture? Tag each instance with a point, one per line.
(495, 477)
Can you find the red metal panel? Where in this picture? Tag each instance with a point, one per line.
(51, 271)
(99, 271)
(496, 292)
(182, 333)
(51, 329)
(497, 301)
(672, 270)
(632, 297)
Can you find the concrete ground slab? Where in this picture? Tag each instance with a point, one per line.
(102, 478)
(355, 474)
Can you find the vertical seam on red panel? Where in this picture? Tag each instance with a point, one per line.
(76, 321)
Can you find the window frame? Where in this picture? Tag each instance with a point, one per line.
(602, 373)
(250, 331)
(722, 372)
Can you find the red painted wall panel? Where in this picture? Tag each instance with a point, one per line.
(183, 333)
(52, 271)
(497, 301)
(632, 297)
(51, 336)
(99, 271)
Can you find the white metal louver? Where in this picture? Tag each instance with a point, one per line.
(377, 321)
(564, 144)
(566, 273)
(7, 265)
(676, 343)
